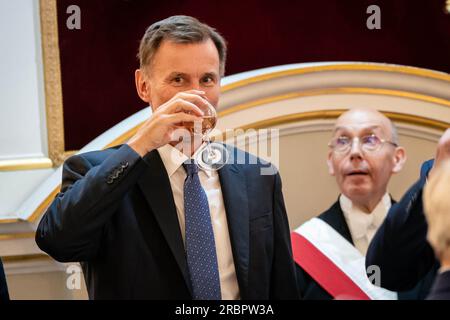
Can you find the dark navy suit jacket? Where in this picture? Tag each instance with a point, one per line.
(311, 290)
(400, 247)
(3, 286)
(116, 215)
(441, 287)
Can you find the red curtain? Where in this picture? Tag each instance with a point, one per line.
(98, 61)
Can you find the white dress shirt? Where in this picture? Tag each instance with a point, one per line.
(362, 225)
(173, 160)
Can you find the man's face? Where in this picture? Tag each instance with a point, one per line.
(363, 175)
(180, 67)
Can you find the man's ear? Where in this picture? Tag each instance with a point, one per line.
(399, 159)
(330, 163)
(142, 86)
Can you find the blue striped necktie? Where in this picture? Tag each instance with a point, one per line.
(200, 244)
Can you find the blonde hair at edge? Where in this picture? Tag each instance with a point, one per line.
(437, 210)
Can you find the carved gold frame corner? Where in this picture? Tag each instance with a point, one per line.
(52, 81)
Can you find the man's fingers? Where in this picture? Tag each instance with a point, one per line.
(443, 149)
(183, 105)
(179, 117)
(195, 97)
(198, 92)
(445, 139)
(444, 142)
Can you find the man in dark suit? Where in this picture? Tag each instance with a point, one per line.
(145, 222)
(400, 247)
(437, 211)
(362, 172)
(4, 296)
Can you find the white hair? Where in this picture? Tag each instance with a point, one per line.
(394, 132)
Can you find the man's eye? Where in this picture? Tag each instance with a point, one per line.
(207, 80)
(177, 80)
(371, 140)
(342, 141)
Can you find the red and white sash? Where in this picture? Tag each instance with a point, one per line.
(334, 262)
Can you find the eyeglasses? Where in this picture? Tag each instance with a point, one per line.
(369, 143)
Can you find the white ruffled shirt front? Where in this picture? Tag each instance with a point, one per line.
(363, 226)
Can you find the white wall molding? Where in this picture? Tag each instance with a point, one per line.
(33, 266)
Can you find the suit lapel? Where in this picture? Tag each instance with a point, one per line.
(155, 186)
(441, 286)
(234, 191)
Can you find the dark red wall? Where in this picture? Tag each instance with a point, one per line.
(98, 61)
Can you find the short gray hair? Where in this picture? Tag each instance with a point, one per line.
(394, 132)
(179, 29)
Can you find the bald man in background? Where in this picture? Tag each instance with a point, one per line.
(330, 250)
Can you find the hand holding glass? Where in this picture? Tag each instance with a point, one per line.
(211, 156)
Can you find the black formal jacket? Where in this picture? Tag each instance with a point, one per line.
(3, 286)
(441, 287)
(311, 290)
(116, 215)
(400, 247)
